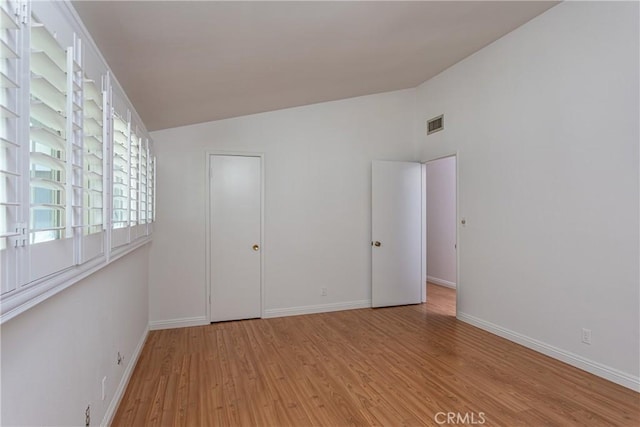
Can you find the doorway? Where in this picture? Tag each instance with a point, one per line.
(441, 234)
(234, 234)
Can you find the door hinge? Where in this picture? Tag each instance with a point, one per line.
(20, 236)
(22, 14)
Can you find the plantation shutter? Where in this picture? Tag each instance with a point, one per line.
(151, 196)
(11, 228)
(93, 170)
(143, 185)
(133, 185)
(51, 157)
(120, 181)
(74, 176)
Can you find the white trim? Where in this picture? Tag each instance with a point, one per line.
(124, 381)
(441, 282)
(22, 299)
(184, 322)
(608, 373)
(131, 247)
(423, 226)
(320, 308)
(207, 236)
(263, 292)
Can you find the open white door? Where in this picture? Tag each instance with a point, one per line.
(396, 232)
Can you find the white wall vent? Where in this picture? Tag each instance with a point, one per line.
(436, 124)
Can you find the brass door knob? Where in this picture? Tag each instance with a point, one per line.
(256, 248)
(377, 243)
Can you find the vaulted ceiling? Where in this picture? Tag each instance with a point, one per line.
(185, 62)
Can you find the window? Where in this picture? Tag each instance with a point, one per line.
(151, 196)
(144, 182)
(120, 191)
(140, 186)
(134, 176)
(132, 210)
(73, 174)
(93, 217)
(54, 113)
(10, 172)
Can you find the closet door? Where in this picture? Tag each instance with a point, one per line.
(235, 219)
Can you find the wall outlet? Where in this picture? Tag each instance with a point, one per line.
(586, 336)
(323, 292)
(104, 386)
(87, 416)
(120, 359)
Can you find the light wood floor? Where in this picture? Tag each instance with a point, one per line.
(389, 366)
(441, 300)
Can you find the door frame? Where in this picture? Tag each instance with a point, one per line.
(207, 284)
(455, 154)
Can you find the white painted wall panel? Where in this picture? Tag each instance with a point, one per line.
(55, 355)
(546, 124)
(317, 200)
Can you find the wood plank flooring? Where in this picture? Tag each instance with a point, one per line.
(442, 300)
(396, 366)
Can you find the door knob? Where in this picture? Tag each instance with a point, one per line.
(256, 248)
(377, 243)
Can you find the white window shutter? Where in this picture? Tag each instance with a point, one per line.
(120, 181)
(93, 183)
(12, 227)
(52, 139)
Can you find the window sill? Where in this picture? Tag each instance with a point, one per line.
(19, 301)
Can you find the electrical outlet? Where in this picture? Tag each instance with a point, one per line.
(120, 358)
(104, 384)
(323, 292)
(87, 416)
(586, 336)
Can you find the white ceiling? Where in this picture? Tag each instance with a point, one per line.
(184, 62)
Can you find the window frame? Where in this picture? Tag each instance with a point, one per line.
(21, 292)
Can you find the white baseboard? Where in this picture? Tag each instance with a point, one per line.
(184, 322)
(441, 282)
(321, 308)
(124, 381)
(598, 369)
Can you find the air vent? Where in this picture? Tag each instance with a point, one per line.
(436, 124)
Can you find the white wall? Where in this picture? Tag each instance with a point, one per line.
(55, 355)
(317, 207)
(441, 221)
(546, 124)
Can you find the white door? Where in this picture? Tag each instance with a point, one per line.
(396, 232)
(235, 218)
